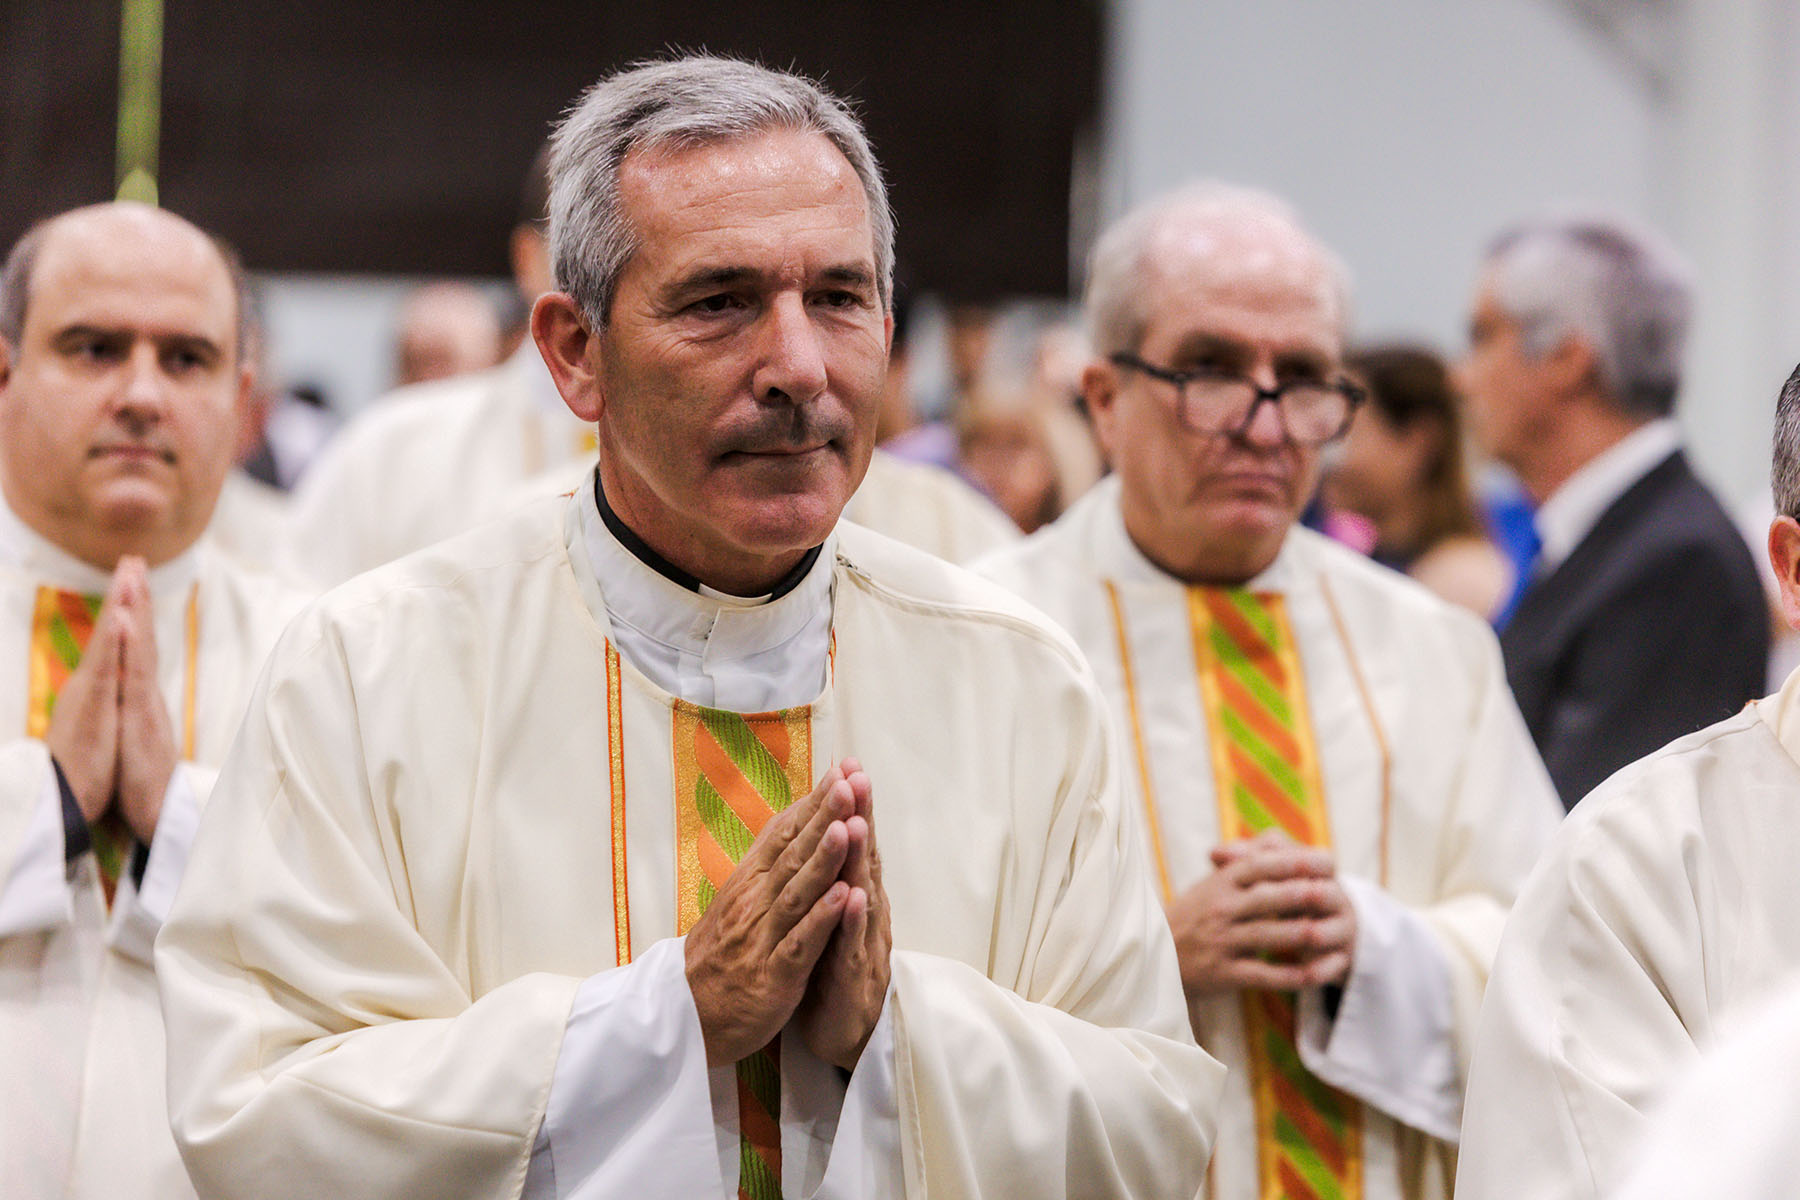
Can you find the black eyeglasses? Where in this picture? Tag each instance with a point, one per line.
(1212, 401)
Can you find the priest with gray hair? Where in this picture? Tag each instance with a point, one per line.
(1659, 923)
(547, 863)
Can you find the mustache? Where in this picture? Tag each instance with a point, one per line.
(154, 446)
(789, 430)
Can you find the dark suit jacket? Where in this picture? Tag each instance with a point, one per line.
(1653, 627)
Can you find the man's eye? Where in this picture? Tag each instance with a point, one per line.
(93, 350)
(723, 302)
(840, 299)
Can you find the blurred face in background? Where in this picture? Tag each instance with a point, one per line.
(120, 407)
(1249, 297)
(1509, 393)
(1381, 465)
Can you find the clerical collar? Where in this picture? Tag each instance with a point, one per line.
(702, 646)
(27, 550)
(641, 550)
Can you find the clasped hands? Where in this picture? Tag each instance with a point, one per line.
(110, 730)
(1271, 916)
(799, 931)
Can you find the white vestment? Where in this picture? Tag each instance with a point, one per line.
(428, 945)
(928, 507)
(429, 462)
(1437, 805)
(1726, 1128)
(82, 1109)
(250, 523)
(1662, 914)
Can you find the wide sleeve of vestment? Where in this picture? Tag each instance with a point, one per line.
(318, 1046)
(1649, 917)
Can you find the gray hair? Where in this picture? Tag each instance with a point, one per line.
(686, 102)
(1621, 289)
(15, 282)
(21, 264)
(1115, 304)
(1784, 470)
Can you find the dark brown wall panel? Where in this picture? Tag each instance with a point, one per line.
(389, 137)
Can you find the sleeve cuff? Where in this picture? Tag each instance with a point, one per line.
(1391, 1043)
(630, 1111)
(35, 894)
(144, 896)
(864, 1156)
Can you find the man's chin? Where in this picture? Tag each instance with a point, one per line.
(128, 506)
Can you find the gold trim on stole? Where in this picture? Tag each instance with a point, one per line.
(191, 687)
(1153, 822)
(615, 754)
(684, 727)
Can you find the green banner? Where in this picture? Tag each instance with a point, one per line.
(140, 98)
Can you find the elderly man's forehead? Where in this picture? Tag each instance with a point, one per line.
(1236, 245)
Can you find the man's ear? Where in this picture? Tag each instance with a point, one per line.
(1572, 365)
(1100, 391)
(560, 330)
(1784, 558)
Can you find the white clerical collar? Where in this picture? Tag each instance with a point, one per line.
(1574, 508)
(41, 560)
(1129, 563)
(744, 654)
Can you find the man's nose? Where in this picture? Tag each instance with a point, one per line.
(1267, 429)
(144, 392)
(792, 365)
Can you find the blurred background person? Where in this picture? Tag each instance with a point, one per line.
(1403, 468)
(250, 521)
(1004, 449)
(1643, 618)
(438, 458)
(445, 329)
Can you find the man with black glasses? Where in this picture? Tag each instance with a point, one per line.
(1340, 797)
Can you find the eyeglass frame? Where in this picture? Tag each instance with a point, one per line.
(1354, 394)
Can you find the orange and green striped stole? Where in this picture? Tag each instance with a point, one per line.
(1266, 771)
(733, 771)
(61, 625)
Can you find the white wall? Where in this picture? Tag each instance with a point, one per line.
(337, 331)
(1408, 132)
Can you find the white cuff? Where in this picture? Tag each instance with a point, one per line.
(139, 911)
(865, 1148)
(36, 893)
(630, 1112)
(1391, 1044)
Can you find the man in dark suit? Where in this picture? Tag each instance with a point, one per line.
(1642, 618)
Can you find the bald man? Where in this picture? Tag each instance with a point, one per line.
(126, 650)
(446, 329)
(1341, 798)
